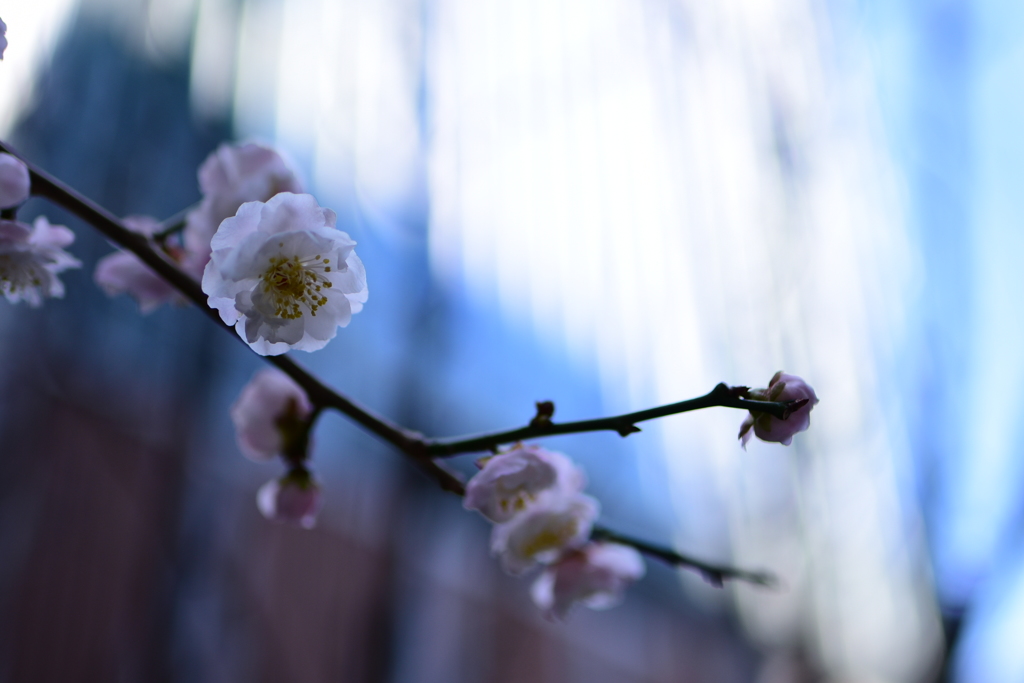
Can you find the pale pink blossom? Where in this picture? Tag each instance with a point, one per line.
(270, 411)
(510, 481)
(15, 183)
(553, 523)
(231, 176)
(293, 499)
(767, 427)
(284, 275)
(30, 259)
(3, 38)
(123, 272)
(596, 576)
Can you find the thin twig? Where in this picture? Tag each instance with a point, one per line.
(714, 574)
(423, 452)
(721, 396)
(173, 225)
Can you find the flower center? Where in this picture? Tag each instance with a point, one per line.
(551, 537)
(18, 273)
(291, 284)
(516, 499)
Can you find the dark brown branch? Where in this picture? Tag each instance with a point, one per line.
(721, 396)
(412, 444)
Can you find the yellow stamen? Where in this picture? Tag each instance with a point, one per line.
(292, 285)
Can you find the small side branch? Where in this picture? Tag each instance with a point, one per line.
(714, 574)
(172, 225)
(721, 396)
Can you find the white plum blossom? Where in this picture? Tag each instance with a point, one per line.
(3, 38)
(596, 576)
(15, 183)
(268, 412)
(283, 275)
(510, 481)
(31, 257)
(229, 177)
(293, 499)
(767, 427)
(124, 272)
(552, 524)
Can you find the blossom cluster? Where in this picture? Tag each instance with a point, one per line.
(533, 496)
(271, 260)
(542, 517)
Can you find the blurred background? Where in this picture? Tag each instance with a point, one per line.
(607, 203)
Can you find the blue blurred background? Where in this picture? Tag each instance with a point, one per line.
(607, 203)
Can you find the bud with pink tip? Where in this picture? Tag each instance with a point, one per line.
(293, 499)
(596, 576)
(510, 481)
(15, 183)
(767, 427)
(270, 414)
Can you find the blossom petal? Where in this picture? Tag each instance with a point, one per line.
(15, 183)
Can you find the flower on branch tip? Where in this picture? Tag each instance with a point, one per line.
(510, 481)
(283, 275)
(229, 177)
(15, 183)
(30, 258)
(293, 499)
(124, 272)
(595, 575)
(767, 427)
(270, 414)
(553, 524)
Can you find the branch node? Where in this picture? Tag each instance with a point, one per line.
(545, 411)
(626, 430)
(793, 406)
(715, 578)
(739, 392)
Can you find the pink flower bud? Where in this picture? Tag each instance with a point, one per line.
(596, 575)
(767, 427)
(15, 183)
(123, 272)
(231, 176)
(510, 481)
(294, 499)
(268, 412)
